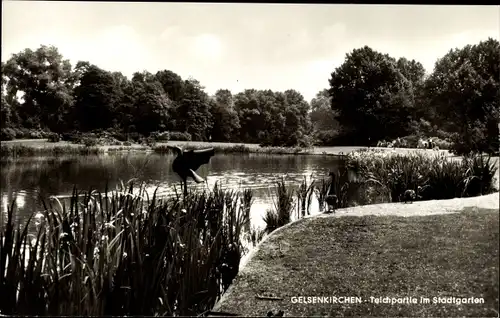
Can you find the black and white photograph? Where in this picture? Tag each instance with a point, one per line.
(249, 159)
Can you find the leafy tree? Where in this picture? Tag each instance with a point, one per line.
(45, 82)
(172, 84)
(464, 89)
(5, 113)
(152, 105)
(96, 97)
(226, 122)
(193, 112)
(412, 70)
(323, 118)
(373, 98)
(249, 104)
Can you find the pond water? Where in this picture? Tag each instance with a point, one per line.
(28, 179)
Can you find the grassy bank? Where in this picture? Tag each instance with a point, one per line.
(369, 177)
(17, 148)
(42, 147)
(123, 253)
(23, 147)
(234, 148)
(452, 255)
(390, 175)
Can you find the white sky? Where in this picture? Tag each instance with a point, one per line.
(237, 46)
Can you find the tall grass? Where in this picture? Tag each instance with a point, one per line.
(321, 190)
(122, 253)
(304, 197)
(22, 150)
(439, 177)
(282, 207)
(238, 148)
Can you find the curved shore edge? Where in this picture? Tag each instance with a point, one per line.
(418, 208)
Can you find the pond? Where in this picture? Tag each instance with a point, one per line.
(28, 179)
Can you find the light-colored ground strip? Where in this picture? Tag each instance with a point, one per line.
(420, 208)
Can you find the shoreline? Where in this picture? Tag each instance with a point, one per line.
(42, 146)
(416, 209)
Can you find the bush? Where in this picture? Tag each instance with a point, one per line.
(35, 134)
(54, 137)
(22, 133)
(149, 141)
(119, 136)
(179, 136)
(411, 141)
(442, 143)
(325, 138)
(90, 141)
(72, 136)
(7, 134)
(160, 136)
(134, 136)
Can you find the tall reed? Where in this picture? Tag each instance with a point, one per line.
(283, 204)
(304, 197)
(438, 176)
(23, 150)
(122, 253)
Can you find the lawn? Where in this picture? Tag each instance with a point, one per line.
(43, 143)
(454, 255)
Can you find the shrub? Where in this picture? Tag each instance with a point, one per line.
(179, 136)
(8, 134)
(442, 143)
(35, 134)
(90, 141)
(54, 137)
(134, 136)
(119, 136)
(325, 138)
(411, 141)
(149, 141)
(72, 136)
(22, 133)
(160, 136)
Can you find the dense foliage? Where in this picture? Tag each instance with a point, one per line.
(371, 97)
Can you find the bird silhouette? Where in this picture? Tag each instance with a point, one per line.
(411, 195)
(331, 197)
(187, 162)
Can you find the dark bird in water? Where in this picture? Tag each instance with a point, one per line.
(331, 196)
(187, 162)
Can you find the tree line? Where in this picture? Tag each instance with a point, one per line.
(371, 96)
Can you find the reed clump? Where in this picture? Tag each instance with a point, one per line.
(304, 197)
(122, 253)
(434, 177)
(54, 150)
(237, 148)
(283, 205)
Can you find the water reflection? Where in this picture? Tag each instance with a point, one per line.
(29, 179)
